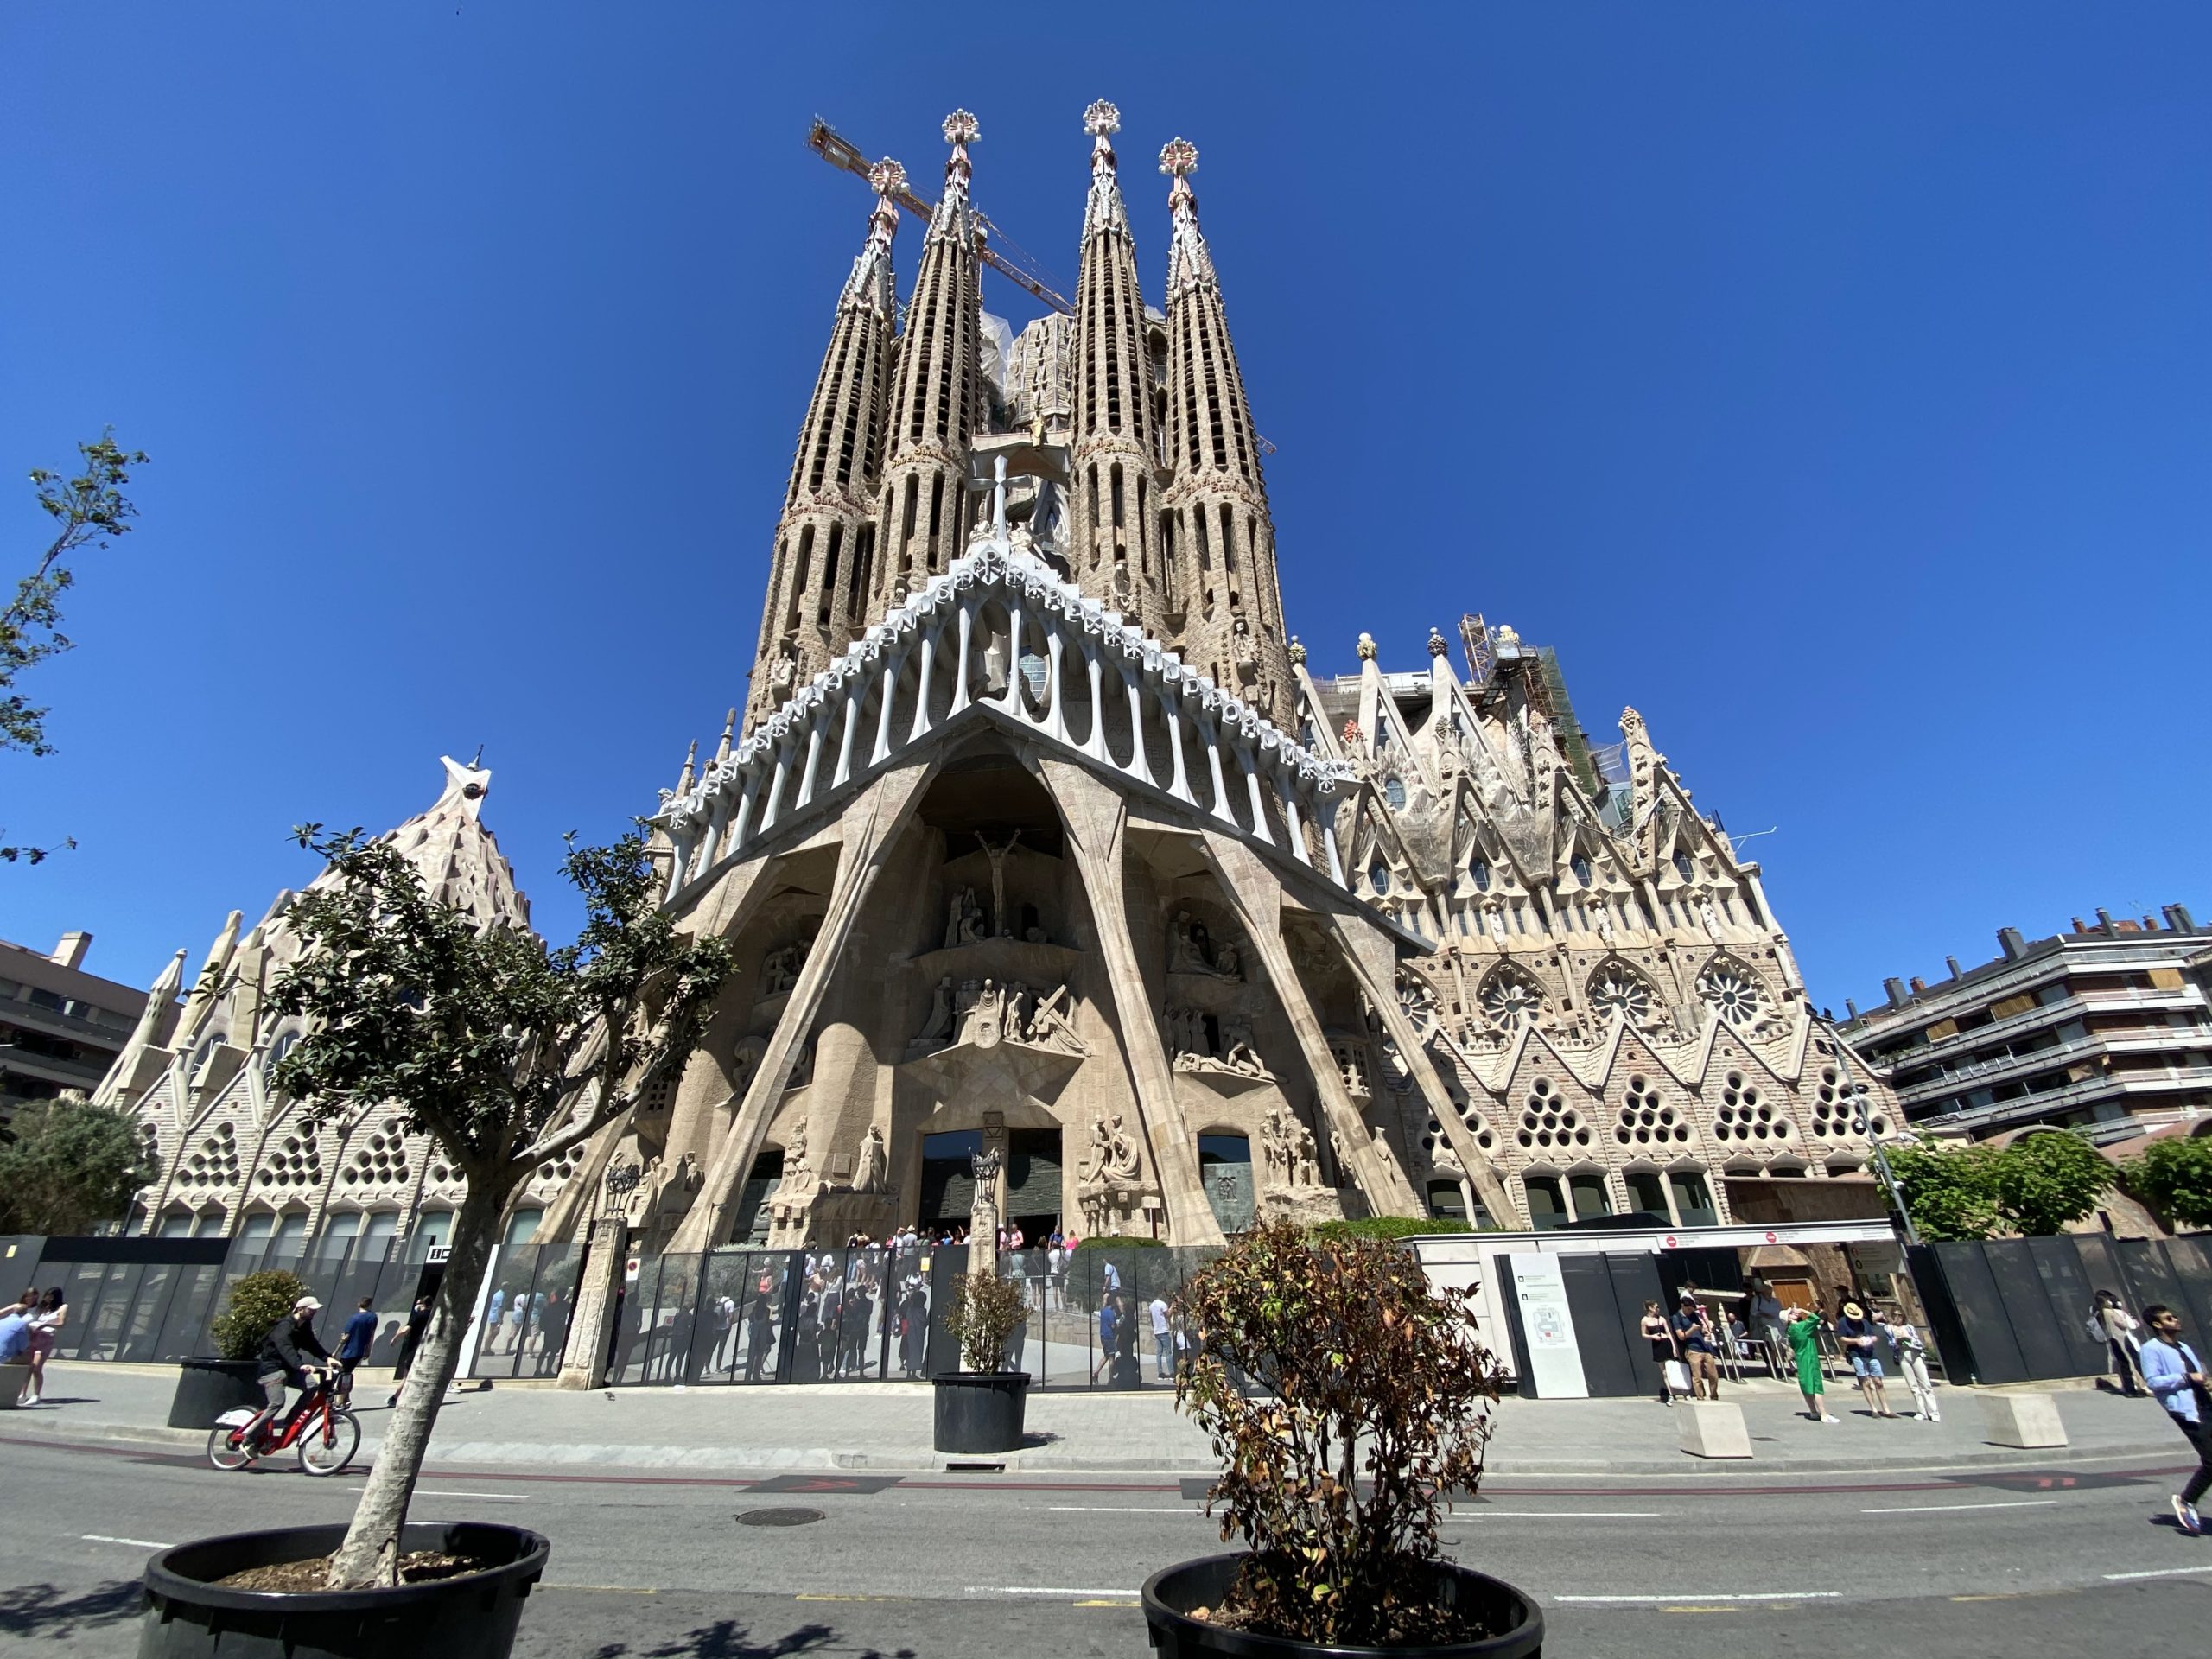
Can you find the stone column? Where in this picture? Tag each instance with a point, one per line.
(870, 823)
(1252, 891)
(1097, 820)
(583, 1364)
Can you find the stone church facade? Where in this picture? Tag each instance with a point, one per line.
(1037, 835)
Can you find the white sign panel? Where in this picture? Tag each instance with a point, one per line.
(1546, 1325)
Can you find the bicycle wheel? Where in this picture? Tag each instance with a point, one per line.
(326, 1447)
(225, 1452)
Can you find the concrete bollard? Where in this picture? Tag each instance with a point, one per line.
(1711, 1429)
(2028, 1419)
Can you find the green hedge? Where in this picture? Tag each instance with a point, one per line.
(1116, 1242)
(1390, 1227)
(257, 1301)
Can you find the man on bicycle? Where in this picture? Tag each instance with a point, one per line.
(285, 1354)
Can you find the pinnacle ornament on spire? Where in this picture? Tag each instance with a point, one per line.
(1105, 207)
(1188, 262)
(954, 216)
(870, 279)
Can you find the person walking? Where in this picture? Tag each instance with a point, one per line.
(1162, 1358)
(1699, 1346)
(1766, 1323)
(1912, 1360)
(1802, 1330)
(52, 1313)
(410, 1338)
(1109, 1316)
(2113, 1324)
(354, 1344)
(760, 1328)
(1861, 1339)
(1664, 1354)
(2172, 1371)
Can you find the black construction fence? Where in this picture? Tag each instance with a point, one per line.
(2017, 1310)
(153, 1299)
(1098, 1319)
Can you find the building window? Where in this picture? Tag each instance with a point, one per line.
(1592, 1202)
(1546, 1121)
(1619, 989)
(524, 1226)
(1692, 1203)
(1480, 871)
(1394, 790)
(1580, 866)
(1546, 1202)
(1731, 992)
(1685, 867)
(1648, 1194)
(1510, 997)
(1378, 877)
(1446, 1201)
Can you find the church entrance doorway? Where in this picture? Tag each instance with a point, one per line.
(947, 1179)
(1033, 1183)
(752, 1217)
(1225, 1171)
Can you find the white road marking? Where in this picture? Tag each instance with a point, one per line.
(489, 1498)
(1566, 1515)
(1038, 1590)
(1125, 1509)
(2161, 1572)
(134, 1543)
(1946, 1509)
(1760, 1595)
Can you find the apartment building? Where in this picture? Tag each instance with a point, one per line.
(61, 1027)
(2105, 1028)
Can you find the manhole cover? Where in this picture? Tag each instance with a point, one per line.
(778, 1518)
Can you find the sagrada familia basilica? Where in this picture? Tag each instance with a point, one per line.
(1037, 835)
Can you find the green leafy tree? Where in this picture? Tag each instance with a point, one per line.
(2049, 1178)
(1949, 1191)
(69, 1164)
(88, 510)
(2175, 1178)
(505, 1053)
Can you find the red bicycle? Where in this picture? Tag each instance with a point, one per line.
(324, 1436)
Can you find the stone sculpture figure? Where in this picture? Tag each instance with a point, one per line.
(1236, 1051)
(939, 1024)
(780, 968)
(1050, 1027)
(965, 925)
(874, 1163)
(1001, 924)
(795, 1165)
(1306, 1164)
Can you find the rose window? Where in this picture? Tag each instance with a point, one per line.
(1646, 1120)
(1549, 1121)
(1838, 1108)
(1744, 1115)
(297, 1162)
(1511, 999)
(1618, 991)
(1731, 992)
(382, 1162)
(214, 1164)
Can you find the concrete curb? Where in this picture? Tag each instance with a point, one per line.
(737, 1461)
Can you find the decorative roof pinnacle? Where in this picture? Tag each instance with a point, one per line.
(1101, 120)
(1437, 646)
(954, 216)
(729, 733)
(1366, 647)
(1178, 159)
(691, 762)
(1297, 651)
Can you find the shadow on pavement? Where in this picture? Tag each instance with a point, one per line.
(726, 1639)
(42, 1610)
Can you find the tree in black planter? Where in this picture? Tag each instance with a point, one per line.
(986, 1311)
(505, 1053)
(1363, 1411)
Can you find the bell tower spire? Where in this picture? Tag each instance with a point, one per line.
(936, 402)
(1115, 553)
(817, 573)
(1220, 536)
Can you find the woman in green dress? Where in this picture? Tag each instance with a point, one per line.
(1803, 1331)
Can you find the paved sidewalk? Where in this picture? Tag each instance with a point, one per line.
(874, 1426)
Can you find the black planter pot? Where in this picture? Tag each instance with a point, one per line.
(1170, 1593)
(205, 1388)
(473, 1617)
(979, 1411)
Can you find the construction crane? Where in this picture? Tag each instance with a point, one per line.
(825, 142)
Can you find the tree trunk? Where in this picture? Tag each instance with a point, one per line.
(370, 1555)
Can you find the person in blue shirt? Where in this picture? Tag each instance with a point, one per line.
(14, 1335)
(353, 1345)
(2173, 1373)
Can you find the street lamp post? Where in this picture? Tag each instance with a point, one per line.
(1863, 1121)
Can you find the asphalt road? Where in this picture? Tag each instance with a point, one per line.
(655, 1565)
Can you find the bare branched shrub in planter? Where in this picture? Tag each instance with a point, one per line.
(1374, 1377)
(985, 1310)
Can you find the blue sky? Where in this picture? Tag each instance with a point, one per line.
(1831, 383)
